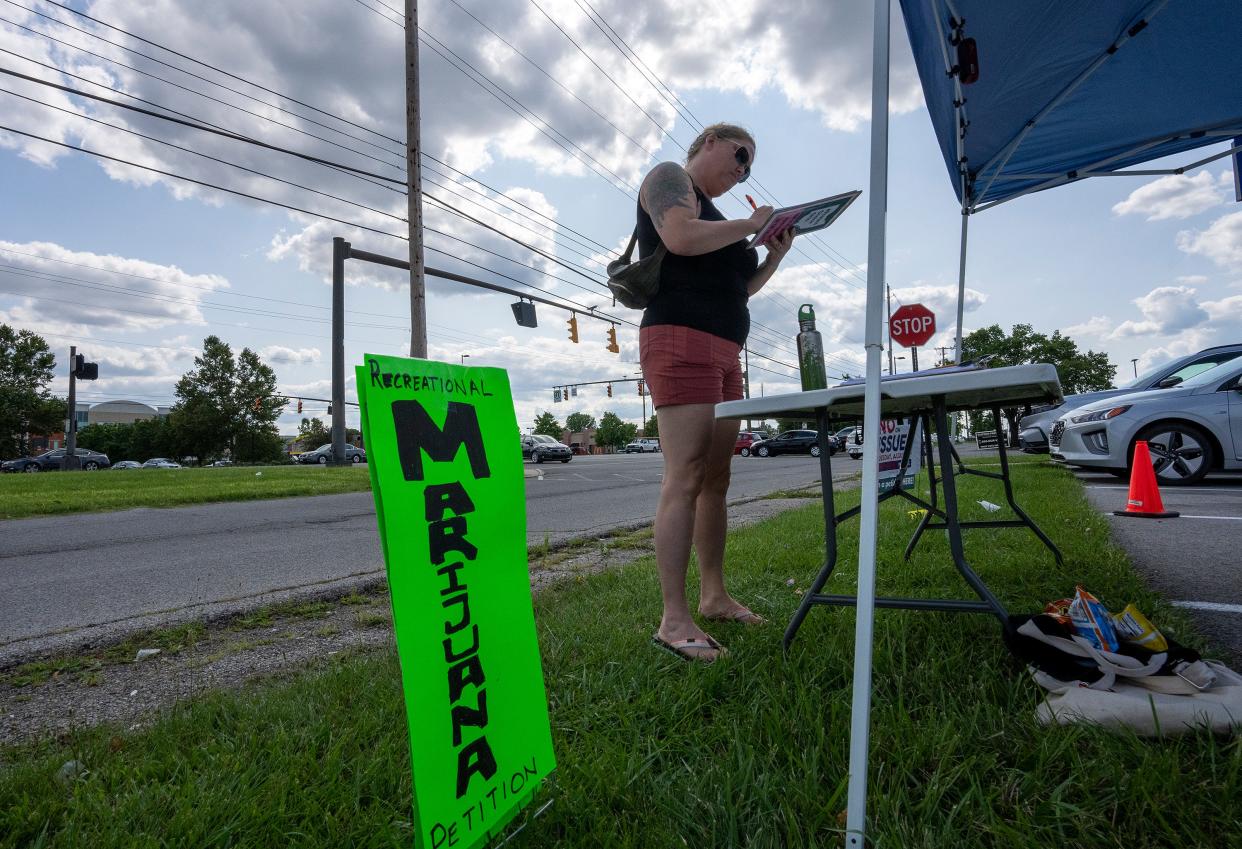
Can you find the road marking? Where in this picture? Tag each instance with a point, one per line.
(1185, 516)
(1209, 605)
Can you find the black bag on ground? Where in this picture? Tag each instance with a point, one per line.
(634, 284)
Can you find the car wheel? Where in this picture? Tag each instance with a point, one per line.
(763, 451)
(815, 451)
(536, 456)
(90, 467)
(745, 452)
(1181, 454)
(566, 459)
(322, 460)
(32, 467)
(357, 458)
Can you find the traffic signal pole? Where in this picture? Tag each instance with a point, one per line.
(414, 187)
(71, 463)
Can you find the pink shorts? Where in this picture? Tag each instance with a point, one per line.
(686, 366)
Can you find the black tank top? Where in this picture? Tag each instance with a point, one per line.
(706, 292)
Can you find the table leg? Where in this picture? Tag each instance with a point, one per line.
(1004, 462)
(951, 520)
(830, 528)
(925, 423)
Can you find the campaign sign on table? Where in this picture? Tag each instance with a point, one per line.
(894, 433)
(447, 477)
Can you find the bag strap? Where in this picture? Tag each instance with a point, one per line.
(629, 249)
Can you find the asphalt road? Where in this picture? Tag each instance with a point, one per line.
(68, 580)
(1193, 560)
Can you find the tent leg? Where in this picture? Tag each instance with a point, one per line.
(864, 622)
(961, 289)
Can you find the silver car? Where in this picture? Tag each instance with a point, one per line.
(1033, 429)
(1191, 429)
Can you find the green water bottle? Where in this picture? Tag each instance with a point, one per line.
(810, 351)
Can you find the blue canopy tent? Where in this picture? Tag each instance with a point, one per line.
(1027, 95)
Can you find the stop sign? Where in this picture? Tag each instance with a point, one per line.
(911, 325)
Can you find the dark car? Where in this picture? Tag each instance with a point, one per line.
(52, 461)
(323, 455)
(792, 442)
(540, 447)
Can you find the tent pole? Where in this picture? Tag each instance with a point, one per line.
(961, 285)
(860, 709)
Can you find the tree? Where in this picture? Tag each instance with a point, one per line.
(652, 427)
(579, 422)
(312, 433)
(547, 424)
(227, 404)
(1078, 371)
(26, 406)
(613, 432)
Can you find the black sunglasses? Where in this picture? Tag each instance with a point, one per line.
(742, 155)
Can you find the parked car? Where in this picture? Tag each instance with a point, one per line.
(323, 455)
(160, 463)
(745, 440)
(848, 436)
(1033, 429)
(540, 447)
(52, 461)
(792, 442)
(126, 464)
(1191, 429)
(642, 446)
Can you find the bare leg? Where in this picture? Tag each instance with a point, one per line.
(686, 436)
(711, 525)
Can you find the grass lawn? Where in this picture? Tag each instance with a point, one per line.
(654, 752)
(51, 493)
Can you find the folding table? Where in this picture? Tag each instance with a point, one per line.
(925, 397)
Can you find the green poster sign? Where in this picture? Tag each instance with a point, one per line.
(446, 473)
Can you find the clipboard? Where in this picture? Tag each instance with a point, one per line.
(805, 217)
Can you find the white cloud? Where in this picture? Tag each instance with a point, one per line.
(281, 354)
(1174, 196)
(1165, 309)
(1097, 325)
(1221, 241)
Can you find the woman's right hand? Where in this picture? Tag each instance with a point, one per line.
(760, 217)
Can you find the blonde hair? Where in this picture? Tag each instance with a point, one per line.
(720, 131)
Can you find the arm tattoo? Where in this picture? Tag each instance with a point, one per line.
(667, 186)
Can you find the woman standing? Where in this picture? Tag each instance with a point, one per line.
(691, 335)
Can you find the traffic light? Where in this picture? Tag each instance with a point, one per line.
(258, 404)
(299, 408)
(524, 314)
(612, 339)
(573, 328)
(329, 409)
(610, 390)
(83, 370)
(640, 388)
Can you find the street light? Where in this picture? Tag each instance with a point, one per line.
(898, 357)
(1134, 362)
(463, 358)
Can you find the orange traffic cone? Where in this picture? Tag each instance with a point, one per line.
(1144, 501)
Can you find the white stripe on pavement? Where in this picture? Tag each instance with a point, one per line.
(1209, 605)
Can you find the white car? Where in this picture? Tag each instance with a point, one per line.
(640, 446)
(1191, 429)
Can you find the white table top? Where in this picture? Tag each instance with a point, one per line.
(910, 393)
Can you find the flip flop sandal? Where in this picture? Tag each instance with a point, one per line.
(691, 649)
(744, 615)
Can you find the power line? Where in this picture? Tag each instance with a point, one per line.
(151, 58)
(224, 72)
(200, 154)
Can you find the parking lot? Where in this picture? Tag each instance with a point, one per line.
(1192, 560)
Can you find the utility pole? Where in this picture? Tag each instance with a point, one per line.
(943, 356)
(71, 461)
(340, 252)
(746, 378)
(414, 186)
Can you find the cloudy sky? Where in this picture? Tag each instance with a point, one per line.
(539, 119)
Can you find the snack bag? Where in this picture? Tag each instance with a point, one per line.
(1133, 627)
(1092, 621)
(1059, 610)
